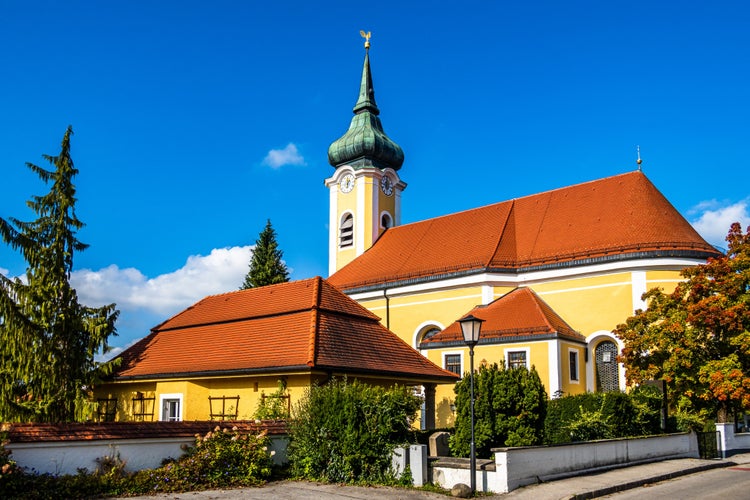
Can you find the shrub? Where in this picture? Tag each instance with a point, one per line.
(273, 406)
(221, 458)
(608, 414)
(510, 406)
(344, 432)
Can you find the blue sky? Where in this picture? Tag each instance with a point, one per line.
(197, 121)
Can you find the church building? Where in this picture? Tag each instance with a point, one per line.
(552, 274)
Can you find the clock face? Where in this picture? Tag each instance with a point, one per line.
(386, 184)
(347, 183)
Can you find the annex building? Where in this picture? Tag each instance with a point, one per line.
(552, 274)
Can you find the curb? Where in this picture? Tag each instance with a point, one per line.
(654, 479)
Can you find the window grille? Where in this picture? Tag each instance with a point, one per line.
(106, 409)
(607, 376)
(143, 408)
(219, 410)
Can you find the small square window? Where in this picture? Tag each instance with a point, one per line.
(516, 359)
(453, 363)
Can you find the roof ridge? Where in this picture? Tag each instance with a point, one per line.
(517, 198)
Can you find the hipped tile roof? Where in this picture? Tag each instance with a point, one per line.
(611, 218)
(519, 315)
(297, 326)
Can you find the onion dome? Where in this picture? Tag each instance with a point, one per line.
(365, 144)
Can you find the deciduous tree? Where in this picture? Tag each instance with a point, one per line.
(48, 340)
(266, 265)
(697, 338)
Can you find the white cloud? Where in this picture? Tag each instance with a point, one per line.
(277, 158)
(4, 271)
(712, 219)
(220, 271)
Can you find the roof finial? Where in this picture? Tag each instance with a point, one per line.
(366, 36)
(639, 161)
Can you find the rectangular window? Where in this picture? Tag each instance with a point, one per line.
(171, 407)
(573, 364)
(516, 359)
(453, 363)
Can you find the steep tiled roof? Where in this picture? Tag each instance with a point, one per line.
(297, 326)
(623, 216)
(519, 315)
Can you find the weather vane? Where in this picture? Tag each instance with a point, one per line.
(366, 36)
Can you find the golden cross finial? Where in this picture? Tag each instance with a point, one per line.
(366, 36)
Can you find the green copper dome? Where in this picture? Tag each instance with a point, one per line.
(365, 144)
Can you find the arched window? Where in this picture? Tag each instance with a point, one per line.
(428, 332)
(346, 231)
(607, 376)
(386, 221)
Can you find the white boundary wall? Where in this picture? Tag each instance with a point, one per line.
(731, 442)
(66, 457)
(522, 466)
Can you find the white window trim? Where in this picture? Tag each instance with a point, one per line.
(516, 349)
(577, 380)
(343, 217)
(461, 354)
(177, 396)
(386, 212)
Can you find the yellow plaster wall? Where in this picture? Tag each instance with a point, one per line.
(592, 303)
(195, 394)
(566, 385)
(666, 280)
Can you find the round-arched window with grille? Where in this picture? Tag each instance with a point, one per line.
(607, 373)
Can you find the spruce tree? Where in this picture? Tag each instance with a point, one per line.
(48, 340)
(266, 265)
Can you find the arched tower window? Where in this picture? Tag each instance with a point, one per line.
(386, 221)
(346, 231)
(607, 376)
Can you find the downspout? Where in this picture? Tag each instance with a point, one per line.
(387, 308)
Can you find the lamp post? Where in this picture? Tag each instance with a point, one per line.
(471, 327)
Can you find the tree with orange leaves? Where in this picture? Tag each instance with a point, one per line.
(697, 339)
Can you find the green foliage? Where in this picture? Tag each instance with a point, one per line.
(47, 339)
(603, 415)
(697, 338)
(266, 265)
(344, 432)
(220, 459)
(274, 406)
(510, 406)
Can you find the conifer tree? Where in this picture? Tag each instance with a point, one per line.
(266, 265)
(47, 339)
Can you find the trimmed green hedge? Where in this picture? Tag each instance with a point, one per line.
(603, 415)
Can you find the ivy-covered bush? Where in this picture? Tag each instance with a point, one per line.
(344, 432)
(603, 415)
(510, 405)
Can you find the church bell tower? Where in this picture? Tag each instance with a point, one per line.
(365, 188)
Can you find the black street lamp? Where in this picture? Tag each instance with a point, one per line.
(471, 327)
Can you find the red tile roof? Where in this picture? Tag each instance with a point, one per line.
(303, 325)
(624, 215)
(31, 433)
(519, 315)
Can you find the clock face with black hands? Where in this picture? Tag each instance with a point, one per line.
(386, 185)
